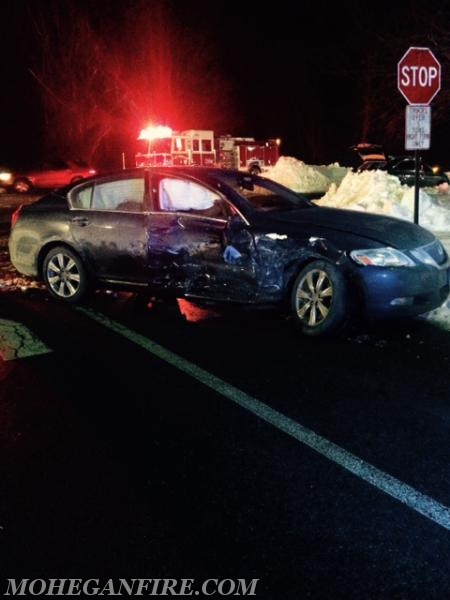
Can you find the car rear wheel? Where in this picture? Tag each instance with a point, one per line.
(319, 299)
(255, 170)
(64, 275)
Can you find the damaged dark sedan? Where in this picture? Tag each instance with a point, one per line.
(214, 235)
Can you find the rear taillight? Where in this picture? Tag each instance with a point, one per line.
(15, 216)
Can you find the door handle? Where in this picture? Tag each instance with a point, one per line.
(81, 221)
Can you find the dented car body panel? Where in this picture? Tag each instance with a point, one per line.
(217, 235)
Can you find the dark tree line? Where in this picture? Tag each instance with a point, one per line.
(323, 80)
(102, 77)
(382, 107)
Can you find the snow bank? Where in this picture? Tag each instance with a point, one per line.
(301, 177)
(369, 191)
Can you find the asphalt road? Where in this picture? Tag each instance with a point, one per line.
(181, 442)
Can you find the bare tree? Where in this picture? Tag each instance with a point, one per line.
(74, 88)
(383, 41)
(102, 79)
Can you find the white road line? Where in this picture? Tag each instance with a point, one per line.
(421, 503)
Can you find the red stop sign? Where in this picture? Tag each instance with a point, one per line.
(419, 76)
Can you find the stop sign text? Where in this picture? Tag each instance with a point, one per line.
(414, 75)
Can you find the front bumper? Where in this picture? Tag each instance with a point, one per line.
(403, 291)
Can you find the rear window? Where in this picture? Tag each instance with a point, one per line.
(121, 194)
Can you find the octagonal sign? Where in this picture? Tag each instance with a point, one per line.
(419, 76)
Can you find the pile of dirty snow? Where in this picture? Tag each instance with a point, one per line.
(369, 191)
(300, 177)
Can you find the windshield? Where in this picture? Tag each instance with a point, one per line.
(265, 195)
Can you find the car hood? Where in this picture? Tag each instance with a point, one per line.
(324, 221)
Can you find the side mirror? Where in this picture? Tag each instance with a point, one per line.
(236, 224)
(246, 182)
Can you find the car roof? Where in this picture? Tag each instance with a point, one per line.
(213, 174)
(368, 151)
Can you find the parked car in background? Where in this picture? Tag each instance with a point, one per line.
(224, 236)
(404, 167)
(45, 176)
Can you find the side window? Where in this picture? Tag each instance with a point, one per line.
(54, 165)
(118, 195)
(82, 198)
(407, 165)
(180, 195)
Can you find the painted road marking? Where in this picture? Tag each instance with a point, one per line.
(421, 503)
(17, 341)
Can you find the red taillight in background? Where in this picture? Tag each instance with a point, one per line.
(15, 216)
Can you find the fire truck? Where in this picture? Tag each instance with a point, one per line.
(200, 147)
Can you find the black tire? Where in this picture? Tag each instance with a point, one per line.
(255, 170)
(64, 275)
(22, 186)
(320, 300)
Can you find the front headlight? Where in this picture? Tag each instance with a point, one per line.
(381, 257)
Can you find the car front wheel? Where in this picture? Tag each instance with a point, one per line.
(319, 299)
(64, 275)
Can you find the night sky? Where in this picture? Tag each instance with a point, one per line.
(321, 76)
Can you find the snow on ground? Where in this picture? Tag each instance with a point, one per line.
(300, 177)
(370, 191)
